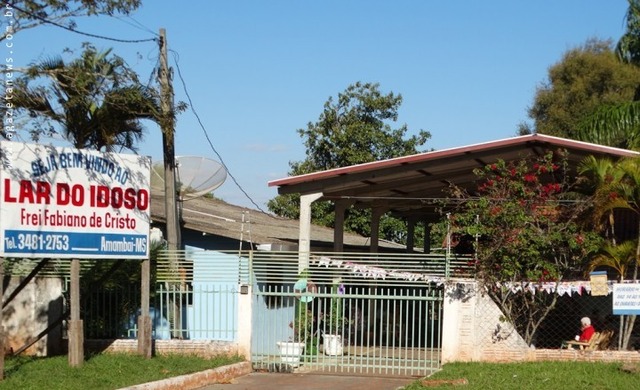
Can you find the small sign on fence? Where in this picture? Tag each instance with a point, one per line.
(626, 298)
(599, 285)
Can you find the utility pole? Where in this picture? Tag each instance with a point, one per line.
(167, 125)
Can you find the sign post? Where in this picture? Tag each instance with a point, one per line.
(76, 335)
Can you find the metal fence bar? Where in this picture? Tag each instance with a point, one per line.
(390, 301)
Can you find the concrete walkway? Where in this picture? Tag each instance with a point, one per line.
(241, 376)
(310, 381)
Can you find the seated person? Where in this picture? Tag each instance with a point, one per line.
(582, 340)
(586, 330)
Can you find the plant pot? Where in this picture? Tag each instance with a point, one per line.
(290, 352)
(332, 344)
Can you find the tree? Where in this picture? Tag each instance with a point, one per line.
(620, 190)
(527, 234)
(596, 175)
(27, 14)
(618, 124)
(94, 101)
(587, 79)
(353, 129)
(618, 258)
(626, 195)
(628, 47)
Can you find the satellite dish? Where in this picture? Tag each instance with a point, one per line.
(195, 176)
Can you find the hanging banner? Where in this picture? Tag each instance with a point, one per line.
(71, 203)
(626, 298)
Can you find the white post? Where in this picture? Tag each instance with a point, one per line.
(245, 315)
(304, 240)
(458, 321)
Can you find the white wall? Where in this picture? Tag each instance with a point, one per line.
(32, 310)
(472, 326)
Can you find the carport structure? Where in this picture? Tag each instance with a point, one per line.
(407, 186)
(410, 188)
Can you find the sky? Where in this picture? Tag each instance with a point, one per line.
(254, 72)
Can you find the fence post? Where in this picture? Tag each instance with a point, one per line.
(76, 336)
(144, 321)
(245, 316)
(1, 326)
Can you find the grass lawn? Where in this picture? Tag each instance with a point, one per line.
(102, 371)
(540, 375)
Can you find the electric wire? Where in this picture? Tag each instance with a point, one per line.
(184, 86)
(134, 23)
(204, 130)
(45, 20)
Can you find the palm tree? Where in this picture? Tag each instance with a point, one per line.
(94, 101)
(617, 186)
(628, 195)
(619, 125)
(619, 258)
(628, 47)
(597, 175)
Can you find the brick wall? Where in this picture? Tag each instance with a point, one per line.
(202, 348)
(473, 331)
(537, 355)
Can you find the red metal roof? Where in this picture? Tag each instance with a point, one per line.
(401, 183)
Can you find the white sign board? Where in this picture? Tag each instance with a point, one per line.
(626, 298)
(70, 203)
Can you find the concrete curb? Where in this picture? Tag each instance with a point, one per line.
(199, 379)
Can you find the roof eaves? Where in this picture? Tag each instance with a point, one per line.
(433, 155)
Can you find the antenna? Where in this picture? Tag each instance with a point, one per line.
(195, 176)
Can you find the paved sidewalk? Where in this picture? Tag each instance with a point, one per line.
(308, 381)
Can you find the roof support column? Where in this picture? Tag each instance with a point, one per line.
(427, 237)
(376, 213)
(411, 232)
(338, 230)
(304, 240)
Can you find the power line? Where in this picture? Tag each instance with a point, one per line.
(204, 130)
(44, 20)
(135, 24)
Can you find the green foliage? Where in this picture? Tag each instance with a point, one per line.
(303, 323)
(585, 80)
(353, 129)
(628, 47)
(618, 258)
(335, 320)
(61, 12)
(533, 376)
(528, 233)
(103, 371)
(616, 185)
(304, 328)
(94, 101)
(114, 281)
(617, 123)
